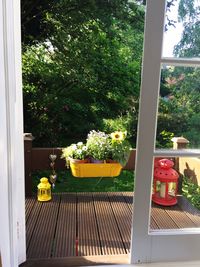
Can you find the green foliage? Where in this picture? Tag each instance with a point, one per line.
(189, 16)
(67, 183)
(179, 112)
(192, 192)
(74, 151)
(126, 123)
(164, 139)
(86, 72)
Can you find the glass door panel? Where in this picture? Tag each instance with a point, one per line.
(181, 35)
(179, 107)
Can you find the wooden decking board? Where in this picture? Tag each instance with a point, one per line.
(109, 234)
(29, 204)
(65, 236)
(178, 216)
(129, 199)
(32, 222)
(153, 224)
(192, 212)
(163, 220)
(122, 216)
(42, 240)
(128, 196)
(101, 222)
(88, 237)
(79, 261)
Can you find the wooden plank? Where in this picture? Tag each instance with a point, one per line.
(129, 199)
(78, 261)
(122, 216)
(88, 237)
(29, 204)
(109, 234)
(101, 222)
(43, 235)
(162, 219)
(179, 217)
(65, 236)
(192, 212)
(153, 224)
(31, 222)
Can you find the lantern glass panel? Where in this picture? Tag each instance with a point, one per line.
(157, 186)
(172, 189)
(162, 190)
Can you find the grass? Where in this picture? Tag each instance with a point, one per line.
(68, 183)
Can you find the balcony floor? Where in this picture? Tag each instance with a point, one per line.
(93, 224)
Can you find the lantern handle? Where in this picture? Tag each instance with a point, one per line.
(166, 163)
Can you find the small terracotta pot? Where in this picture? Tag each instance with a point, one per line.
(111, 161)
(96, 160)
(79, 160)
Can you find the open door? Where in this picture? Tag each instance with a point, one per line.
(156, 245)
(12, 208)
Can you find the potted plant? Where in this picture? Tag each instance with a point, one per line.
(98, 146)
(76, 153)
(105, 154)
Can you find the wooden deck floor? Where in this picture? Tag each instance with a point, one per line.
(87, 224)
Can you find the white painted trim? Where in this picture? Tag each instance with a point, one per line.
(182, 231)
(154, 28)
(177, 153)
(19, 152)
(11, 137)
(4, 207)
(169, 264)
(182, 62)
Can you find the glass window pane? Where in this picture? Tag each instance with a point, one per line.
(179, 107)
(182, 29)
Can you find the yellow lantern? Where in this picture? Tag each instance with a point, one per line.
(44, 190)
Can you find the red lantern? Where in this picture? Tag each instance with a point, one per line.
(165, 183)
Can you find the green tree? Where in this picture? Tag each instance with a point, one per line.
(86, 71)
(189, 15)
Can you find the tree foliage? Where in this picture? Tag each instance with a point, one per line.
(189, 15)
(83, 71)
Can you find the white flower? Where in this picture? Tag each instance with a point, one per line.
(74, 147)
(79, 144)
(79, 151)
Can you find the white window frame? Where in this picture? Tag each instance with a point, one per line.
(156, 245)
(12, 208)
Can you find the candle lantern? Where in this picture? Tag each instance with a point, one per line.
(44, 190)
(165, 183)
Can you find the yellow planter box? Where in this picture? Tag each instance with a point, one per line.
(95, 170)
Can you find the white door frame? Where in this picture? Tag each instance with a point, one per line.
(156, 245)
(12, 208)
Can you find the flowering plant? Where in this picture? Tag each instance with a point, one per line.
(119, 148)
(112, 146)
(74, 151)
(100, 146)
